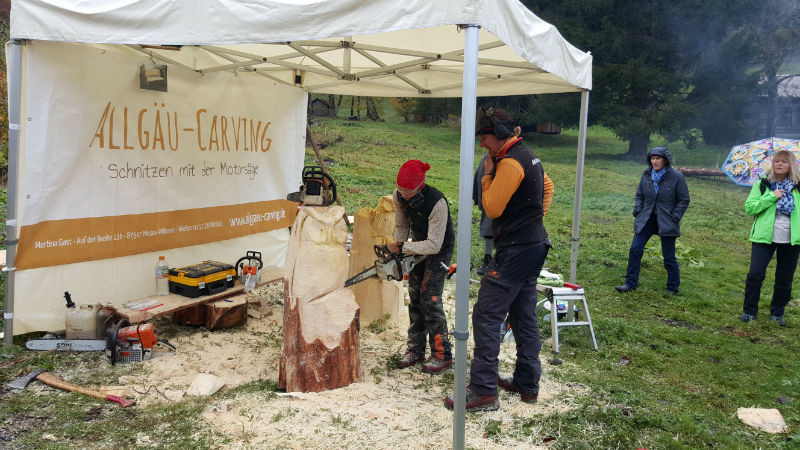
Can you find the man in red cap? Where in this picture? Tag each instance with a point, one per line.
(512, 194)
(423, 211)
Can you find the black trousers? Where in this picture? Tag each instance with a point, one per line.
(425, 311)
(509, 287)
(784, 272)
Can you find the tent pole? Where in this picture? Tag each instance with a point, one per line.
(14, 88)
(576, 214)
(464, 234)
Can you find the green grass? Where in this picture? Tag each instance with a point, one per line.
(691, 362)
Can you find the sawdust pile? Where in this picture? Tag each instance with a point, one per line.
(390, 409)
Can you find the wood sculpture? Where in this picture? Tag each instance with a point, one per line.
(375, 297)
(321, 348)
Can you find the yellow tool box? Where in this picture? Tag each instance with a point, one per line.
(206, 278)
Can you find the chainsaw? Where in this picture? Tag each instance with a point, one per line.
(124, 343)
(248, 269)
(318, 188)
(390, 266)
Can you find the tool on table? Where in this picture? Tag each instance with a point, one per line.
(452, 271)
(206, 278)
(248, 269)
(50, 379)
(132, 343)
(318, 188)
(390, 266)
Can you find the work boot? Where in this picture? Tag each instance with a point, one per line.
(475, 402)
(409, 359)
(486, 260)
(778, 319)
(747, 317)
(507, 383)
(435, 366)
(624, 288)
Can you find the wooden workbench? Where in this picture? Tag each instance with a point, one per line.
(168, 304)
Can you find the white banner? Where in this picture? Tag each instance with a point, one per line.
(112, 170)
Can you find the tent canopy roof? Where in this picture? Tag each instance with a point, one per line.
(387, 48)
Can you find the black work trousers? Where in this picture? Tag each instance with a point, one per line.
(425, 311)
(784, 272)
(508, 288)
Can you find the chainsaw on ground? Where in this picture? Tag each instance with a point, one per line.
(124, 343)
(390, 266)
(318, 188)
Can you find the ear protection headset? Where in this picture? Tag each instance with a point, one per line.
(501, 130)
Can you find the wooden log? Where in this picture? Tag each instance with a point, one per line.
(701, 172)
(215, 315)
(227, 313)
(321, 347)
(375, 297)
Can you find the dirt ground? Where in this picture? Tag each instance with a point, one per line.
(389, 409)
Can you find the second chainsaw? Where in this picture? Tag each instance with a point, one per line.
(389, 266)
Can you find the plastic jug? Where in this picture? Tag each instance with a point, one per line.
(82, 321)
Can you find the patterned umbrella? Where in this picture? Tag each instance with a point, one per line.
(747, 163)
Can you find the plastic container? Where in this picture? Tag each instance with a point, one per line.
(81, 321)
(162, 276)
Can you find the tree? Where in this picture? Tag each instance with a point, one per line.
(774, 31)
(405, 106)
(638, 89)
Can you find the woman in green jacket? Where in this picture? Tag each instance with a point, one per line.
(775, 204)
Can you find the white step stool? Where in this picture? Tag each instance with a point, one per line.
(569, 296)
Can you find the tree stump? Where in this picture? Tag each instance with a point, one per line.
(321, 347)
(216, 314)
(375, 297)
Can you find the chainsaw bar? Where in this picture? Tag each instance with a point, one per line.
(69, 345)
(358, 278)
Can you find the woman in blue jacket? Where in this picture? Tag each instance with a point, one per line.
(776, 228)
(661, 200)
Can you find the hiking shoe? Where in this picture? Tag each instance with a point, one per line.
(747, 317)
(486, 260)
(475, 402)
(435, 366)
(778, 319)
(507, 383)
(624, 288)
(409, 359)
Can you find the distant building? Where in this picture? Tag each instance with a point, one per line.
(319, 107)
(788, 114)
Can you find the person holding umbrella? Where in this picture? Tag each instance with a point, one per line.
(661, 200)
(773, 202)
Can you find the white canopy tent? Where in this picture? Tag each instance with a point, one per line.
(414, 48)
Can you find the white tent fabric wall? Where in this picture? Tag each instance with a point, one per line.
(358, 47)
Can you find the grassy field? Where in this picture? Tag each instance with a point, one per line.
(670, 371)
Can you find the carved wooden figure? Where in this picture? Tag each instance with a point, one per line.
(321, 348)
(375, 297)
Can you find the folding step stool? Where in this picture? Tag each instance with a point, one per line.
(569, 296)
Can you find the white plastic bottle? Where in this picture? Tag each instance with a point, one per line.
(162, 276)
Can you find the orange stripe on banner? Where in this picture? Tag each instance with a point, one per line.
(57, 242)
(437, 343)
